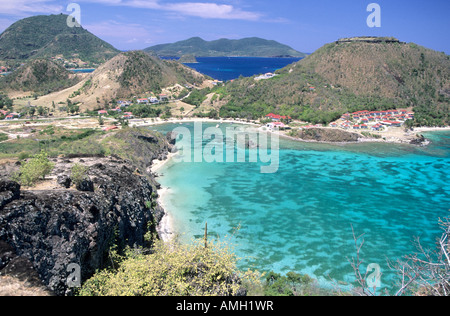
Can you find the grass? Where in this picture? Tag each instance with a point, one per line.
(56, 141)
(3, 137)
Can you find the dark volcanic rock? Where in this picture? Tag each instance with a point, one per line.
(55, 228)
(85, 185)
(9, 191)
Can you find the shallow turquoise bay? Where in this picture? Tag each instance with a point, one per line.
(300, 218)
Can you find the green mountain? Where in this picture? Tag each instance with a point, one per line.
(49, 36)
(39, 75)
(248, 47)
(351, 75)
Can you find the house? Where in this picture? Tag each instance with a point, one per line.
(4, 113)
(277, 118)
(356, 126)
(333, 125)
(364, 126)
(163, 97)
(124, 103)
(377, 127)
(153, 100)
(102, 112)
(11, 116)
(142, 101)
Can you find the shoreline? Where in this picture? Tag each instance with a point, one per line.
(387, 137)
(165, 227)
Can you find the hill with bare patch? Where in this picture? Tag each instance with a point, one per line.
(125, 76)
(351, 75)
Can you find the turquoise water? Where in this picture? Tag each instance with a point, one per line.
(300, 218)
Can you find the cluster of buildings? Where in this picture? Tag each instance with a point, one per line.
(374, 120)
(123, 104)
(9, 116)
(72, 63)
(276, 121)
(153, 99)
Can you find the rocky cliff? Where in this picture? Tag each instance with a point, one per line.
(57, 224)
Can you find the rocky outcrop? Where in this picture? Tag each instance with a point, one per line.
(328, 135)
(53, 228)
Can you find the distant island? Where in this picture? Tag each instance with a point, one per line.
(188, 59)
(247, 47)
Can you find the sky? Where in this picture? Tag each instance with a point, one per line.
(303, 25)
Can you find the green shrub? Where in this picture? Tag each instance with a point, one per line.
(78, 173)
(37, 167)
(172, 270)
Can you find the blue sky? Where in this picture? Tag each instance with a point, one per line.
(303, 25)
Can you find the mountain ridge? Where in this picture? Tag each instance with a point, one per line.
(246, 47)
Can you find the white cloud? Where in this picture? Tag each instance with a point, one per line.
(118, 32)
(211, 11)
(21, 7)
(206, 10)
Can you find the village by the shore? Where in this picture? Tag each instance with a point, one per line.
(372, 126)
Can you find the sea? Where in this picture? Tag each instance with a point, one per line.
(303, 218)
(229, 68)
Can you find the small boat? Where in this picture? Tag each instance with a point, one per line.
(218, 125)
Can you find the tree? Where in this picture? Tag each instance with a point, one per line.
(426, 272)
(37, 167)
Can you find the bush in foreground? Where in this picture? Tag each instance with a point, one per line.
(173, 269)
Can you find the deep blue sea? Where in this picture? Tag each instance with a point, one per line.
(300, 218)
(228, 68)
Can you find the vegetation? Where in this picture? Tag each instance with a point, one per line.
(49, 36)
(5, 102)
(41, 76)
(143, 73)
(78, 173)
(172, 269)
(3, 137)
(251, 47)
(36, 168)
(348, 77)
(196, 97)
